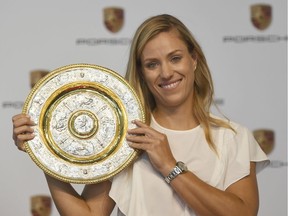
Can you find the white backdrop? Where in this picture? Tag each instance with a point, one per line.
(249, 68)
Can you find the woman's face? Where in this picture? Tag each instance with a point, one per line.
(168, 69)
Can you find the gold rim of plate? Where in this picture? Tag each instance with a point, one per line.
(82, 113)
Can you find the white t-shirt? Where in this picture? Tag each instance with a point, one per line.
(140, 190)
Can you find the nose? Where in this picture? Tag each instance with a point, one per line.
(166, 71)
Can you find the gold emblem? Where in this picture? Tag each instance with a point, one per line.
(113, 18)
(36, 75)
(40, 205)
(265, 138)
(261, 15)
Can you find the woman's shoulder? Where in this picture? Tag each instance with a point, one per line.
(235, 127)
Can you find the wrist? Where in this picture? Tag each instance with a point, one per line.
(178, 169)
(168, 167)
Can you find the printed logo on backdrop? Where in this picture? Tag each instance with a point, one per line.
(40, 205)
(35, 76)
(266, 140)
(219, 101)
(261, 18)
(114, 20)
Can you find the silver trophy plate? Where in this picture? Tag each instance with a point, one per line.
(82, 113)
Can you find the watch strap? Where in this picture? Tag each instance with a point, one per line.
(177, 170)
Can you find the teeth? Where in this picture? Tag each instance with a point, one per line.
(170, 86)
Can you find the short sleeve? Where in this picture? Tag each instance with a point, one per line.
(242, 149)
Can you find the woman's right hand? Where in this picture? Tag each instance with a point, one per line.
(22, 130)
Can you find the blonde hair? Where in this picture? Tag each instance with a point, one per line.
(203, 86)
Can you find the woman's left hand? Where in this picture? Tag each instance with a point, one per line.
(154, 143)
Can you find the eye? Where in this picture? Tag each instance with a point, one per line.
(176, 59)
(151, 65)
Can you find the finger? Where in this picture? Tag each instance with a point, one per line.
(22, 123)
(22, 130)
(20, 135)
(139, 123)
(22, 148)
(138, 146)
(142, 129)
(137, 131)
(25, 137)
(18, 116)
(22, 139)
(138, 139)
(22, 120)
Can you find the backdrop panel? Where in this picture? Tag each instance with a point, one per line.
(248, 64)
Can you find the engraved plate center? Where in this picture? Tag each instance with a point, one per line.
(83, 124)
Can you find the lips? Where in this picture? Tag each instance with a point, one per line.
(170, 85)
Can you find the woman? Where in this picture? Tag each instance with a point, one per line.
(194, 163)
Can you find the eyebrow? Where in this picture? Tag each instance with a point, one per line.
(169, 54)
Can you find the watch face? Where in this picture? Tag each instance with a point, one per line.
(182, 166)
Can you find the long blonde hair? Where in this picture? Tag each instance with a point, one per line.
(203, 86)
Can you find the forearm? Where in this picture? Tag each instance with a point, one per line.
(207, 200)
(66, 198)
(94, 200)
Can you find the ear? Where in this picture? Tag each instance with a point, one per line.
(195, 58)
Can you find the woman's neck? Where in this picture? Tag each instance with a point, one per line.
(176, 119)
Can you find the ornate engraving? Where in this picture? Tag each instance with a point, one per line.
(82, 114)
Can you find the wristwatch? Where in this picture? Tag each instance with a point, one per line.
(177, 170)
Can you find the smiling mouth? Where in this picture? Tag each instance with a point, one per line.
(170, 85)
